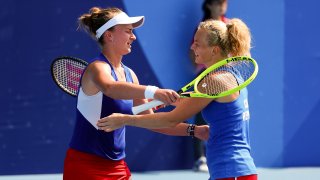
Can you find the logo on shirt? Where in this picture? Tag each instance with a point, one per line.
(245, 116)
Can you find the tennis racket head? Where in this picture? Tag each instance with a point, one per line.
(225, 77)
(66, 72)
(221, 79)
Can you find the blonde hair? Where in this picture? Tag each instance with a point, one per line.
(97, 17)
(233, 38)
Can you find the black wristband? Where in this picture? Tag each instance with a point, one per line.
(190, 130)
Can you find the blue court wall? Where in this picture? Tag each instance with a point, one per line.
(302, 84)
(36, 118)
(283, 100)
(266, 21)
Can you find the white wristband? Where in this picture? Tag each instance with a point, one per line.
(149, 92)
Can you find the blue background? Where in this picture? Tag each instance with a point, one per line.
(37, 118)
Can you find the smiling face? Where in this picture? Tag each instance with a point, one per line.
(121, 38)
(202, 51)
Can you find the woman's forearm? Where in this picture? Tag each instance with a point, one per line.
(184, 129)
(179, 130)
(124, 90)
(152, 121)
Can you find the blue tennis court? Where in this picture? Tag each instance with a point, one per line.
(264, 174)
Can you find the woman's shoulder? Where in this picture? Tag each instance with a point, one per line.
(98, 64)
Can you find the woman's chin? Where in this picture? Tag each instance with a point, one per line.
(126, 52)
(197, 61)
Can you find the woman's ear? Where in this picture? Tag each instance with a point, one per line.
(108, 35)
(215, 50)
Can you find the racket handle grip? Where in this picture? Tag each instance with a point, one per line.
(146, 106)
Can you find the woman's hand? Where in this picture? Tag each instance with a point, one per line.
(167, 96)
(112, 122)
(202, 132)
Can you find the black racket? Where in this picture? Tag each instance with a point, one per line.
(66, 72)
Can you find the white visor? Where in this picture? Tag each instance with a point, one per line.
(121, 18)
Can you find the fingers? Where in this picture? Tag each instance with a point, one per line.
(104, 125)
(106, 128)
(167, 96)
(175, 94)
(110, 123)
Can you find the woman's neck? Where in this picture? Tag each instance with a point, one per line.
(114, 59)
(215, 60)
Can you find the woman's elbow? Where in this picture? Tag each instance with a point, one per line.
(173, 119)
(108, 90)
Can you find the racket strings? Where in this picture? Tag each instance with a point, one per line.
(225, 78)
(68, 73)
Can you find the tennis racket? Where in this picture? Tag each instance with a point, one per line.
(221, 79)
(66, 72)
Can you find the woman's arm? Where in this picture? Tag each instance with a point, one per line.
(200, 132)
(137, 102)
(98, 77)
(186, 108)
